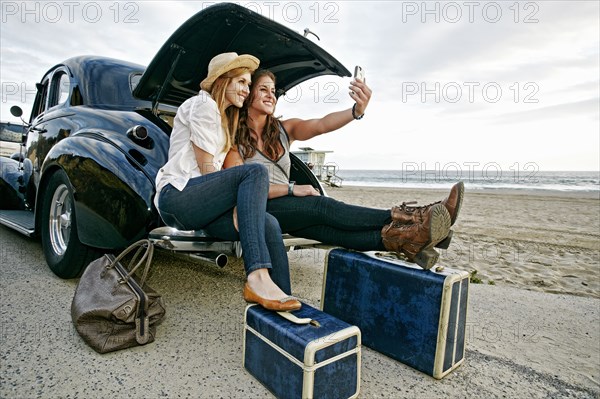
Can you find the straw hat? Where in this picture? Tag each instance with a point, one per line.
(225, 62)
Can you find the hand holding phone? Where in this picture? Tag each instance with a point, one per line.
(359, 73)
(358, 109)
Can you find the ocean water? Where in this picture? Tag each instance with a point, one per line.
(490, 179)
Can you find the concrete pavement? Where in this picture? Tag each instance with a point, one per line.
(520, 343)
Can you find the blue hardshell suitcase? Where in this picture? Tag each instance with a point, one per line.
(415, 316)
(316, 360)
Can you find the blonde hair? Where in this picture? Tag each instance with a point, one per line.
(230, 116)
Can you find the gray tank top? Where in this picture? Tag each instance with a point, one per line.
(279, 170)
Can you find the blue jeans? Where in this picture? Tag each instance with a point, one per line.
(207, 203)
(331, 221)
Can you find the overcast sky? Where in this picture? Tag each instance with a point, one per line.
(473, 84)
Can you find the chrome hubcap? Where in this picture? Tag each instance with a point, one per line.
(61, 209)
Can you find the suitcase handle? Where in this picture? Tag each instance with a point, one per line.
(296, 320)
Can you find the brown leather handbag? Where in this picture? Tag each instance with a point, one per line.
(114, 309)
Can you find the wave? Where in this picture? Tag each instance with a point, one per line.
(478, 180)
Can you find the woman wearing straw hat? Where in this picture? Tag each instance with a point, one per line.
(194, 193)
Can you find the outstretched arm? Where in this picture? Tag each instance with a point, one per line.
(299, 129)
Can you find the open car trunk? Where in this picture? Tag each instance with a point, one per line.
(175, 73)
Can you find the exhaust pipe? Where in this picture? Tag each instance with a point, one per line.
(217, 258)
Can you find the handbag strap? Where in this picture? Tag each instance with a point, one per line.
(148, 254)
(146, 257)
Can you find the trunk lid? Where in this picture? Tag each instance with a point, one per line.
(175, 73)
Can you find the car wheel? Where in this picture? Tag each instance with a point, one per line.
(64, 253)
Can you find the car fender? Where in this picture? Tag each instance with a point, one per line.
(112, 192)
(11, 176)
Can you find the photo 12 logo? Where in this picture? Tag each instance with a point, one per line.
(473, 172)
(455, 92)
(69, 12)
(11, 92)
(470, 11)
(318, 92)
(292, 11)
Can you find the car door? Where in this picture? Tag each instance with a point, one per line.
(49, 120)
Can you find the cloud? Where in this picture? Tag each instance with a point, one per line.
(543, 51)
(577, 109)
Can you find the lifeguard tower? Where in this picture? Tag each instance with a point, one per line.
(326, 173)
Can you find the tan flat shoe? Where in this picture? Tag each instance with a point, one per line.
(281, 305)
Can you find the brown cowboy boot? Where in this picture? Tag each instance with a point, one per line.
(414, 214)
(416, 240)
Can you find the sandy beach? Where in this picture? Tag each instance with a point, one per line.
(537, 240)
(533, 334)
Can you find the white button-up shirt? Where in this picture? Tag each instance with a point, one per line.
(197, 121)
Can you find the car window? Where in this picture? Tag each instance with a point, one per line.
(40, 100)
(134, 79)
(59, 91)
(76, 98)
(64, 88)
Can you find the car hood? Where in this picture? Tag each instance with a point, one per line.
(175, 73)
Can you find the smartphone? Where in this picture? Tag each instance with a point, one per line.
(359, 73)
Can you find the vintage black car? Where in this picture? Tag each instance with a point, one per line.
(99, 130)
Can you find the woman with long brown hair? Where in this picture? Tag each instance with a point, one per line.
(303, 212)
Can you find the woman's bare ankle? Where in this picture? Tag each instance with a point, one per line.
(260, 282)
